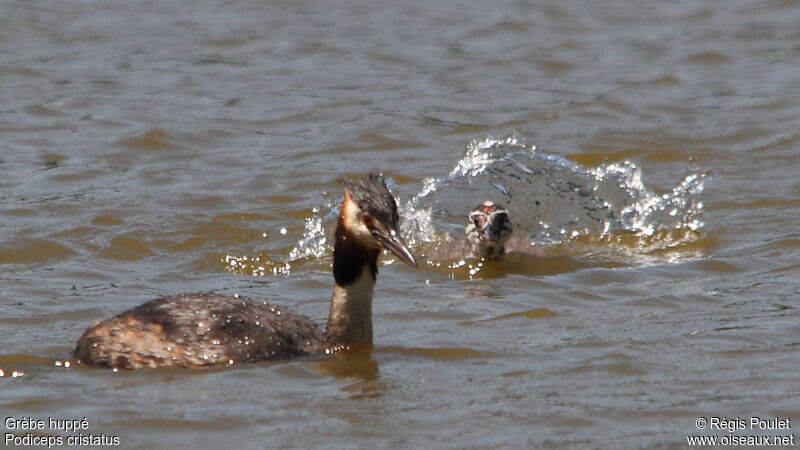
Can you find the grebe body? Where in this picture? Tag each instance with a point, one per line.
(195, 330)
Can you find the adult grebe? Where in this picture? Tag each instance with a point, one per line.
(193, 330)
(487, 236)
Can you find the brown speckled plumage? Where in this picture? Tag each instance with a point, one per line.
(198, 330)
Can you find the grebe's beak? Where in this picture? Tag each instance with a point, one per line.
(394, 243)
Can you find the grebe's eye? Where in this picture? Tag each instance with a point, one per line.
(367, 220)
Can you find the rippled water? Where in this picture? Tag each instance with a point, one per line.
(147, 148)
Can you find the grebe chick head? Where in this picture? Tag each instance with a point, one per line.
(369, 217)
(489, 229)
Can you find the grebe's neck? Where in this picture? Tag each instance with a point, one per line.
(355, 267)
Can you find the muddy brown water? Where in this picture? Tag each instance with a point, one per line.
(141, 142)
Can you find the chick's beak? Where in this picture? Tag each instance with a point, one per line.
(394, 243)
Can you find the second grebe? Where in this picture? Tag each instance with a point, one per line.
(488, 230)
(487, 236)
(193, 330)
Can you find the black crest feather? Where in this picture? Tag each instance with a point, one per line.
(374, 198)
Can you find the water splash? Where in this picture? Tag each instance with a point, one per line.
(551, 200)
(259, 265)
(314, 240)
(312, 245)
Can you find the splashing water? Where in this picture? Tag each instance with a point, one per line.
(259, 265)
(313, 242)
(551, 199)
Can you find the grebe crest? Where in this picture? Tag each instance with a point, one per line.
(193, 330)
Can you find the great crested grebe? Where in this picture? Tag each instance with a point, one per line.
(193, 330)
(487, 236)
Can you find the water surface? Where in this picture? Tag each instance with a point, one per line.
(142, 143)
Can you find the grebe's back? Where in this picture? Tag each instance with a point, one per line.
(198, 330)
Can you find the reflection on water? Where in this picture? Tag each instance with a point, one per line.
(441, 354)
(357, 367)
(515, 263)
(355, 363)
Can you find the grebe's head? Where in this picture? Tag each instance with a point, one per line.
(489, 226)
(369, 215)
